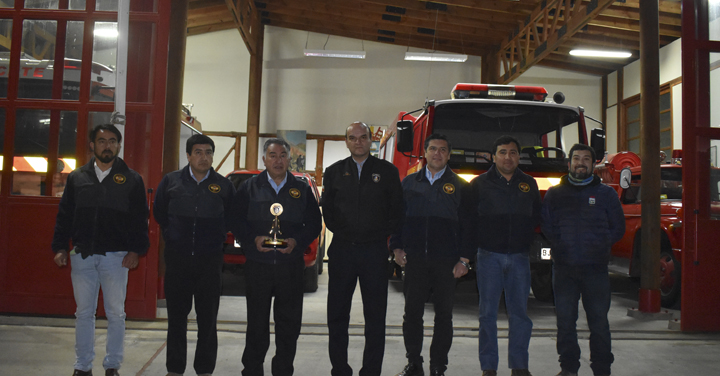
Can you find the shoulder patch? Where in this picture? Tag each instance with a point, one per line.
(449, 188)
(214, 188)
(294, 192)
(524, 187)
(119, 178)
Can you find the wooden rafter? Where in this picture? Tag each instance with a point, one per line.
(247, 21)
(575, 16)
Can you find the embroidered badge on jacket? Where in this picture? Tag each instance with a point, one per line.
(119, 178)
(214, 188)
(524, 187)
(449, 188)
(294, 192)
(591, 201)
(376, 177)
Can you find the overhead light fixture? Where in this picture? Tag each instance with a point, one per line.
(434, 56)
(336, 53)
(601, 53)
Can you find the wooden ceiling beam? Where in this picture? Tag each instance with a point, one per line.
(200, 4)
(211, 18)
(621, 34)
(323, 10)
(485, 15)
(669, 19)
(212, 9)
(633, 25)
(320, 28)
(493, 5)
(247, 20)
(197, 30)
(514, 53)
(665, 6)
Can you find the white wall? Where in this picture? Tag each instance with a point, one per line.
(319, 95)
(670, 68)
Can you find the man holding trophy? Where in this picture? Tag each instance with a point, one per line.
(278, 217)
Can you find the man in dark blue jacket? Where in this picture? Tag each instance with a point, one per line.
(582, 218)
(275, 270)
(431, 246)
(506, 211)
(193, 209)
(104, 212)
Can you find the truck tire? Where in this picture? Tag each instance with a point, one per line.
(310, 278)
(669, 279)
(541, 282)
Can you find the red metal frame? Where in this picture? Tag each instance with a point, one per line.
(29, 280)
(700, 259)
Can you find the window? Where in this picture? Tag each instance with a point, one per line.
(630, 129)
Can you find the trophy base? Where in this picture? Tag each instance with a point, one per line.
(277, 243)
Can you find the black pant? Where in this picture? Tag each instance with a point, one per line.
(423, 278)
(348, 263)
(263, 281)
(188, 277)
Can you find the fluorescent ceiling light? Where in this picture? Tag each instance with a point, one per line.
(434, 56)
(599, 53)
(336, 53)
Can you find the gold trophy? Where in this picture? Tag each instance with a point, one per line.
(276, 209)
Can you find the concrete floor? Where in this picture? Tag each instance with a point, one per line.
(44, 346)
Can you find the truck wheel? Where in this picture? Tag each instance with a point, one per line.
(541, 282)
(669, 279)
(310, 279)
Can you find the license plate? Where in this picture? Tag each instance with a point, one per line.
(545, 253)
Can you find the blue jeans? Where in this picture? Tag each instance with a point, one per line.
(570, 282)
(88, 276)
(510, 272)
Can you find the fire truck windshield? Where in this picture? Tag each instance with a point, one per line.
(543, 130)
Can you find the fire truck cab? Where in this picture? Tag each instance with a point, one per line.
(474, 117)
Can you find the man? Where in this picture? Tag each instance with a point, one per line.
(193, 209)
(506, 210)
(275, 270)
(104, 212)
(362, 205)
(582, 218)
(430, 247)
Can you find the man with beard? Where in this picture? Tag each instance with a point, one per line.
(192, 207)
(582, 218)
(274, 197)
(104, 212)
(506, 212)
(363, 205)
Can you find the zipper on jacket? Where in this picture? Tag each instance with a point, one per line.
(195, 224)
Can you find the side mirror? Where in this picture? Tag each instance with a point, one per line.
(597, 142)
(625, 178)
(405, 136)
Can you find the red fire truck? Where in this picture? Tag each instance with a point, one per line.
(623, 171)
(478, 114)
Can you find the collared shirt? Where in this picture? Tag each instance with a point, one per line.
(100, 173)
(277, 187)
(201, 180)
(359, 166)
(432, 177)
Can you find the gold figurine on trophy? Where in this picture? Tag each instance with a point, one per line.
(276, 209)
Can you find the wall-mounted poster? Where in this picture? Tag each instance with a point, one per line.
(378, 131)
(298, 155)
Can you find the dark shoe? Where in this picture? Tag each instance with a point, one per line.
(567, 373)
(520, 372)
(489, 372)
(111, 372)
(82, 373)
(436, 372)
(412, 369)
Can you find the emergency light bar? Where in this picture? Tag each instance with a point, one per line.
(527, 93)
